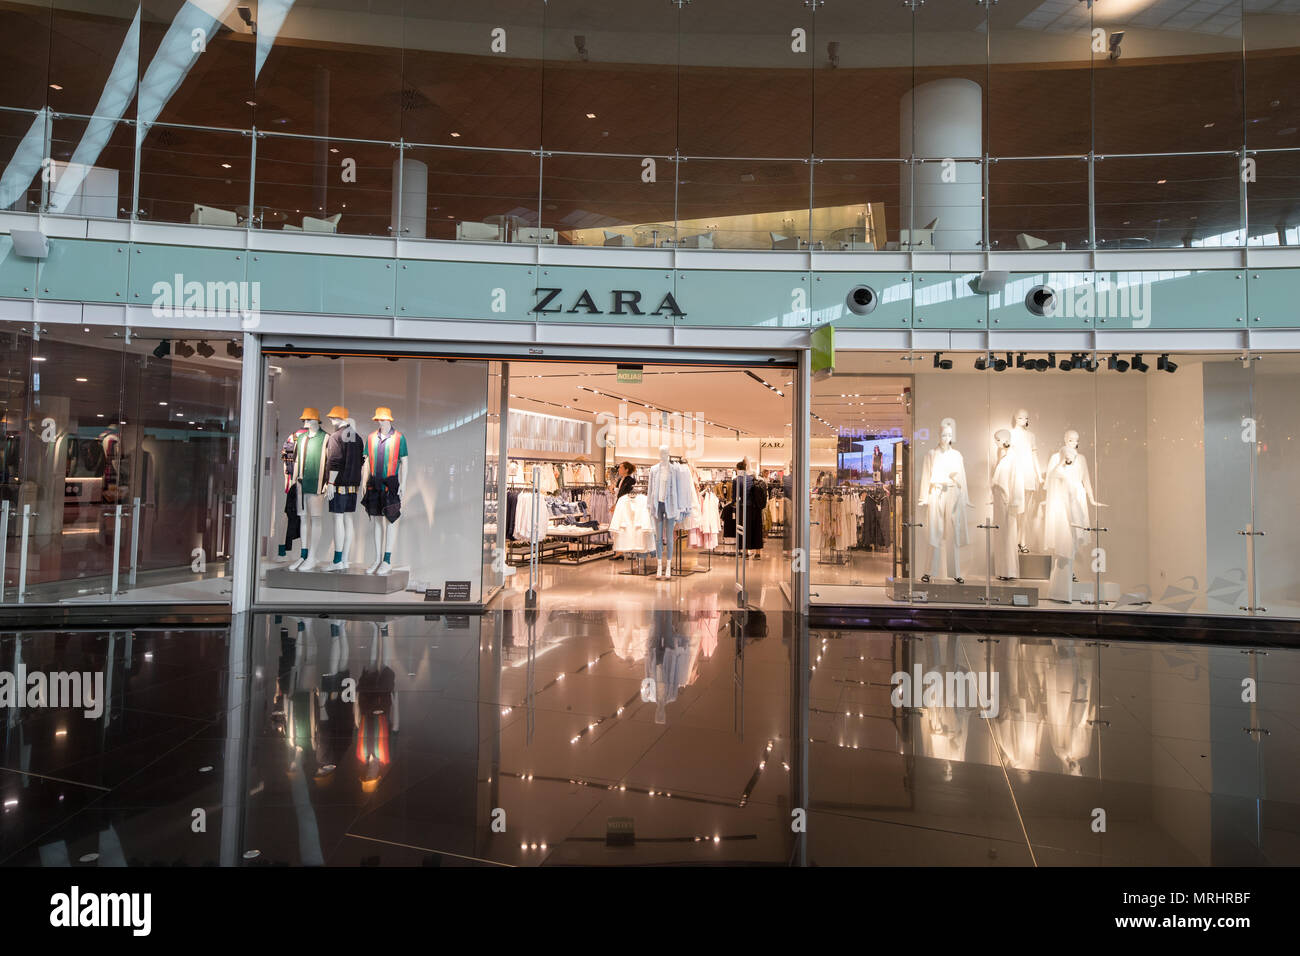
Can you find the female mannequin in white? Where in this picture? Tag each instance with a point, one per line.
(943, 494)
(309, 473)
(1029, 472)
(383, 477)
(1069, 494)
(1008, 492)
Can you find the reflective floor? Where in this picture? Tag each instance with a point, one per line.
(637, 737)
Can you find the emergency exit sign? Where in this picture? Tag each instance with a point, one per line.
(629, 374)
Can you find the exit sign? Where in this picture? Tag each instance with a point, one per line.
(629, 374)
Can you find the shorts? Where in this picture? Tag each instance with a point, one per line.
(382, 497)
(343, 502)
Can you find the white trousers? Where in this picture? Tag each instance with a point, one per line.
(1006, 535)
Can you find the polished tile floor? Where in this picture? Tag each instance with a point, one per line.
(694, 735)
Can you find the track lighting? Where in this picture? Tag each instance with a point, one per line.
(1139, 365)
(1116, 364)
(1165, 364)
(1000, 365)
(1068, 364)
(982, 363)
(184, 349)
(206, 350)
(940, 362)
(1020, 360)
(162, 348)
(1090, 362)
(234, 349)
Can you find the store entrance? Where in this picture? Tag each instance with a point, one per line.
(644, 486)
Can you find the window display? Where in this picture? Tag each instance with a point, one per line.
(347, 494)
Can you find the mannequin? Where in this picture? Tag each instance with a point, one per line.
(385, 474)
(670, 502)
(344, 452)
(1029, 472)
(943, 492)
(309, 474)
(1008, 504)
(1069, 494)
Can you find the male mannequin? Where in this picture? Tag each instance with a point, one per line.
(309, 474)
(1024, 449)
(385, 474)
(669, 501)
(1008, 504)
(943, 492)
(1069, 494)
(344, 453)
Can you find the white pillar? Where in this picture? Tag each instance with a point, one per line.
(943, 119)
(413, 176)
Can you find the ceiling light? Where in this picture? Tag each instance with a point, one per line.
(1117, 364)
(1165, 364)
(334, 149)
(83, 380)
(1138, 365)
(1161, 182)
(225, 165)
(38, 358)
(455, 135)
(206, 350)
(1207, 126)
(591, 116)
(55, 86)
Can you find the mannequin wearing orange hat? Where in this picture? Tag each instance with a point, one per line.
(384, 475)
(344, 452)
(309, 474)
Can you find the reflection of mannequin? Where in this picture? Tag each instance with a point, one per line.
(944, 729)
(309, 475)
(667, 661)
(385, 475)
(1024, 453)
(943, 492)
(375, 711)
(1069, 493)
(1008, 504)
(1070, 705)
(344, 453)
(669, 500)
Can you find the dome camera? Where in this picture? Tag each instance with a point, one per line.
(862, 300)
(1041, 300)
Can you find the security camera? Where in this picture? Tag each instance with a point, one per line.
(989, 282)
(1041, 300)
(861, 300)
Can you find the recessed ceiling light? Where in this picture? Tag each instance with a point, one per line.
(591, 116)
(225, 165)
(455, 135)
(83, 380)
(99, 414)
(1207, 126)
(334, 149)
(251, 102)
(55, 86)
(1161, 182)
(38, 358)
(164, 404)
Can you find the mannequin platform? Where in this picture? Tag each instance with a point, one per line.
(948, 591)
(357, 581)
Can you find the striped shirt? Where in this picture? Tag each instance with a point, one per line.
(385, 453)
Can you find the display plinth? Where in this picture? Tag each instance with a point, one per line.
(1036, 567)
(356, 581)
(950, 592)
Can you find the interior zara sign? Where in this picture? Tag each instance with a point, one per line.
(623, 302)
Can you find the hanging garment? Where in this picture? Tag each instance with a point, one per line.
(670, 484)
(1069, 489)
(727, 517)
(755, 495)
(631, 527)
(529, 526)
(943, 490)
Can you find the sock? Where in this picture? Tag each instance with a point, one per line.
(338, 557)
(280, 551)
(388, 557)
(303, 552)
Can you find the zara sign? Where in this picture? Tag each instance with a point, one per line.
(622, 302)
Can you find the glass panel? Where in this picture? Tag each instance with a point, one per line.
(1277, 549)
(862, 70)
(209, 87)
(944, 202)
(1272, 199)
(855, 205)
(15, 396)
(93, 168)
(23, 147)
(604, 200)
(1040, 65)
(332, 70)
(72, 452)
(1170, 79)
(179, 469)
(330, 186)
(25, 45)
(746, 204)
(1038, 204)
(411, 522)
(1167, 201)
(196, 176)
(746, 79)
(468, 194)
(860, 431)
(1272, 64)
(471, 80)
(611, 77)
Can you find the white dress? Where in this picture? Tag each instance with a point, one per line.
(946, 497)
(1068, 491)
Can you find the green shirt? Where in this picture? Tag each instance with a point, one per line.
(311, 451)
